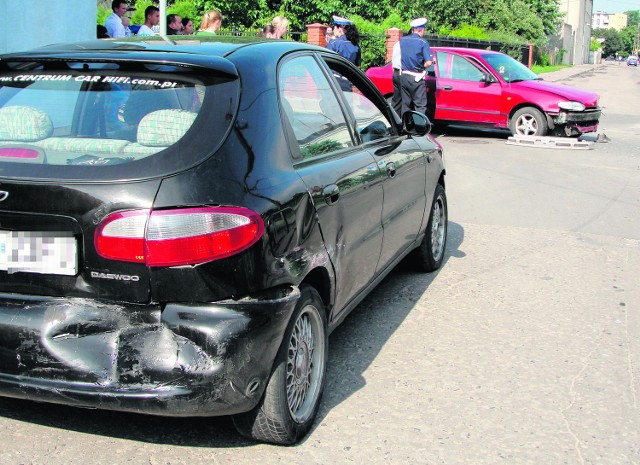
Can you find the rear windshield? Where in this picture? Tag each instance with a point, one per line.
(101, 117)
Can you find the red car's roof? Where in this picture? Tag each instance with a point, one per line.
(467, 51)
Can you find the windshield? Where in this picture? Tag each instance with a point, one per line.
(104, 118)
(509, 69)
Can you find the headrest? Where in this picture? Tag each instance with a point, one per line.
(163, 128)
(24, 124)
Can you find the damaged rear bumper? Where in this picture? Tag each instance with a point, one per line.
(176, 360)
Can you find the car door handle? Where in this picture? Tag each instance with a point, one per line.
(391, 169)
(331, 194)
(447, 87)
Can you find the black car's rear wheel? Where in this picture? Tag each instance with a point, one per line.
(292, 396)
(430, 254)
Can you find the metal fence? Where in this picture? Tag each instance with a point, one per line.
(373, 46)
(292, 35)
(518, 51)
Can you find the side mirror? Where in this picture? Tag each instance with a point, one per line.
(416, 124)
(488, 78)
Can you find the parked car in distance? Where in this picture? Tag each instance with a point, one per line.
(632, 60)
(182, 225)
(491, 89)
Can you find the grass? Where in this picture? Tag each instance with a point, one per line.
(547, 69)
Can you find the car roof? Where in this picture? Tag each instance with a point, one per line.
(467, 51)
(201, 53)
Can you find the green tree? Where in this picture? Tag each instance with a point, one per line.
(633, 17)
(138, 16)
(548, 12)
(628, 38)
(515, 17)
(529, 20)
(613, 42)
(184, 9)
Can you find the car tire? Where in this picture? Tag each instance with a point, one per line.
(528, 121)
(430, 253)
(291, 399)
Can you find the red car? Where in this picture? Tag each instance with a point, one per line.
(491, 89)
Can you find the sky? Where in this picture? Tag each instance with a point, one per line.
(615, 6)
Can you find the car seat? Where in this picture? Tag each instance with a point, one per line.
(159, 130)
(24, 124)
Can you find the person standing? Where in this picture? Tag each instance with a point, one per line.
(151, 18)
(415, 56)
(281, 26)
(346, 40)
(174, 25)
(187, 26)
(211, 22)
(396, 64)
(268, 31)
(126, 22)
(113, 23)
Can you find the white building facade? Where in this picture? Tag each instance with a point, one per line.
(603, 20)
(600, 20)
(578, 16)
(34, 23)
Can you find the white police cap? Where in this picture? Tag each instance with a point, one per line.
(418, 22)
(340, 21)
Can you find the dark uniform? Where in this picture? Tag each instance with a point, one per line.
(344, 47)
(396, 64)
(414, 52)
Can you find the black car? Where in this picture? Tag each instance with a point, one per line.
(182, 225)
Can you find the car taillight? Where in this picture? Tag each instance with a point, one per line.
(17, 152)
(177, 237)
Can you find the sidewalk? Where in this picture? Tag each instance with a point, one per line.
(566, 73)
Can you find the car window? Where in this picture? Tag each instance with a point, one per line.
(312, 108)
(443, 63)
(509, 69)
(97, 118)
(371, 123)
(57, 100)
(464, 70)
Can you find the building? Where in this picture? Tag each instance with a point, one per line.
(576, 30)
(618, 21)
(34, 23)
(603, 20)
(600, 20)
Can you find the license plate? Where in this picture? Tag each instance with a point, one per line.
(38, 252)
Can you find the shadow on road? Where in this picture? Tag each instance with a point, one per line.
(353, 347)
(468, 132)
(356, 343)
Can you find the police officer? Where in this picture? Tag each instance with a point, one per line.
(396, 64)
(415, 59)
(345, 43)
(346, 39)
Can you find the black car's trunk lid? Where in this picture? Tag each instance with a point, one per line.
(47, 235)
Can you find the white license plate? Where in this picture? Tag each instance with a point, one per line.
(38, 252)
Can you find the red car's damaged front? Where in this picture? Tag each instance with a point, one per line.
(491, 89)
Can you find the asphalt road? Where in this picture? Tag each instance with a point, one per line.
(523, 349)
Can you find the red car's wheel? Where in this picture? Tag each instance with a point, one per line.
(528, 121)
